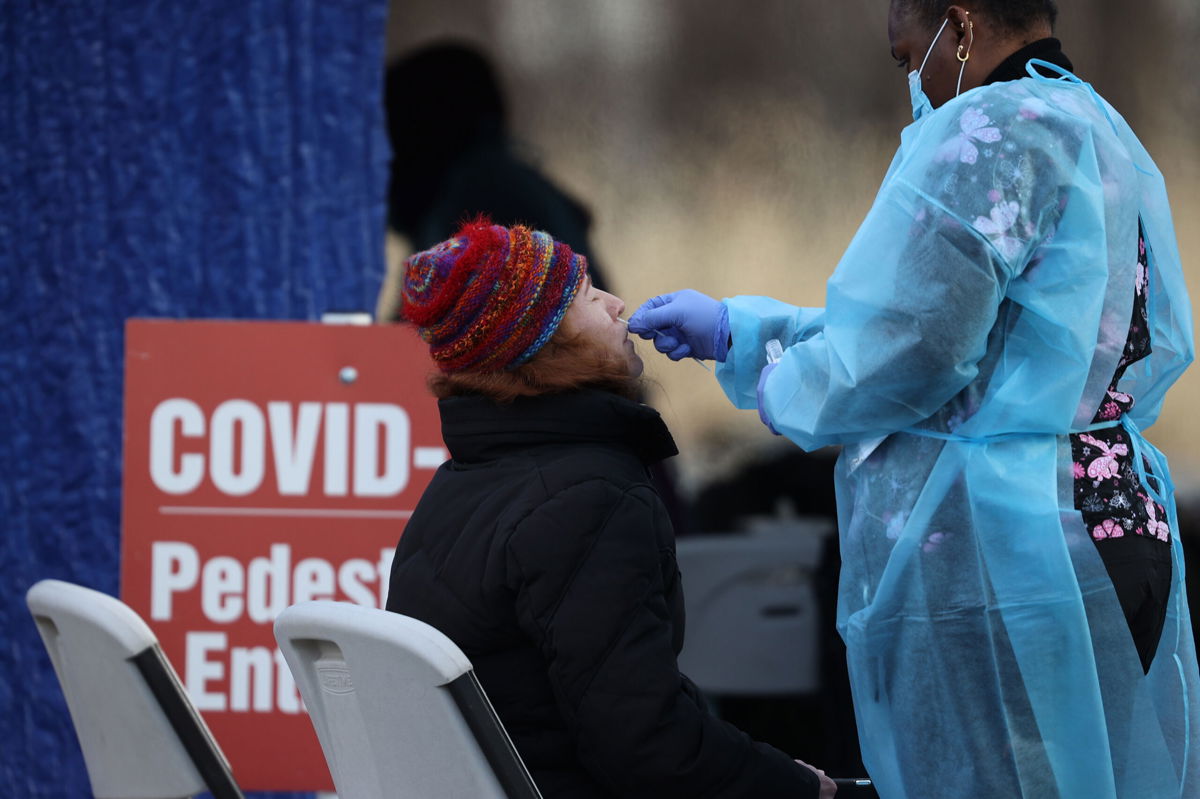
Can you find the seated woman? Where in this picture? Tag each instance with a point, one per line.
(541, 547)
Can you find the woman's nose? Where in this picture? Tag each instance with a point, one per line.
(619, 306)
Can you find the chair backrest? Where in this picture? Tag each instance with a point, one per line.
(140, 734)
(752, 619)
(397, 707)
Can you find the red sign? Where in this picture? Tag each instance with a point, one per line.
(266, 463)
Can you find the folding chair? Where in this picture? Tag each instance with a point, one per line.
(140, 734)
(752, 620)
(397, 708)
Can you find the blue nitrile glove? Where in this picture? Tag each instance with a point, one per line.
(684, 323)
(762, 387)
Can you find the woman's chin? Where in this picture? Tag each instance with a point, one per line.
(635, 365)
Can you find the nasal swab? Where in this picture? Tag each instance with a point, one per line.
(697, 360)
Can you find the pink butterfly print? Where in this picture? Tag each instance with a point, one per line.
(975, 126)
(996, 226)
(1108, 529)
(1106, 465)
(1159, 529)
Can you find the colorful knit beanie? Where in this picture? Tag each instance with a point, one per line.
(490, 297)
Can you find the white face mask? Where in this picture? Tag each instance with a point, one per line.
(920, 101)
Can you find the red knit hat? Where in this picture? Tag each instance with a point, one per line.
(490, 297)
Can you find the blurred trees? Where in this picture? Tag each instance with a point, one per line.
(689, 54)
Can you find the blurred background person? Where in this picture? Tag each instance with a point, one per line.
(453, 157)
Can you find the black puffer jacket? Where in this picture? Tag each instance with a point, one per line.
(543, 551)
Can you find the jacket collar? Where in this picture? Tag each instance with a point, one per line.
(1013, 67)
(476, 428)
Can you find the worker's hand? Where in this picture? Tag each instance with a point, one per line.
(684, 324)
(828, 787)
(762, 386)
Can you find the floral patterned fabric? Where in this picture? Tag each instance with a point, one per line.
(1107, 490)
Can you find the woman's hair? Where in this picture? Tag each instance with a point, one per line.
(1013, 16)
(567, 362)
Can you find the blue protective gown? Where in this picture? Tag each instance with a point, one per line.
(974, 322)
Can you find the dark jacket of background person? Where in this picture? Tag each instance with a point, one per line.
(544, 552)
(453, 158)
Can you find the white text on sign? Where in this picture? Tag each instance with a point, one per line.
(262, 588)
(258, 678)
(240, 438)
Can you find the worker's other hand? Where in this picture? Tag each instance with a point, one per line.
(828, 786)
(684, 324)
(762, 387)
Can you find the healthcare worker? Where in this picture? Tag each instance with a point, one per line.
(1002, 327)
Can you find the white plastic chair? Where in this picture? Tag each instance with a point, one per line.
(752, 620)
(396, 706)
(140, 734)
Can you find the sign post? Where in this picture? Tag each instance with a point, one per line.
(266, 463)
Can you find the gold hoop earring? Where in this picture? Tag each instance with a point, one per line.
(959, 55)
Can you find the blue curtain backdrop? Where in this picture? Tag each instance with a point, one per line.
(224, 158)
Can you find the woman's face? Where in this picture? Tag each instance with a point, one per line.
(911, 40)
(593, 315)
(973, 34)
